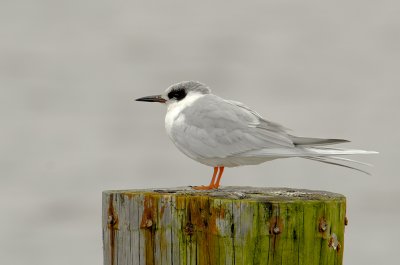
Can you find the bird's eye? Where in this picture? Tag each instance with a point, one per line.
(177, 94)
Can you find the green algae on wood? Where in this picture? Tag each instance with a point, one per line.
(232, 225)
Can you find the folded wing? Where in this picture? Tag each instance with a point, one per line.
(214, 127)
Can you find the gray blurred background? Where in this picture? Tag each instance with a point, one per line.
(69, 71)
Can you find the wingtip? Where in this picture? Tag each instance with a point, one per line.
(339, 141)
(305, 141)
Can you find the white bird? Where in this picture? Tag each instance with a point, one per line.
(224, 133)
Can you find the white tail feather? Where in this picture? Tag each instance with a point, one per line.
(327, 161)
(349, 160)
(304, 152)
(337, 151)
(320, 154)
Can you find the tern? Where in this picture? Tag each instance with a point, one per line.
(224, 133)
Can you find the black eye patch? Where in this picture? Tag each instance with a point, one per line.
(178, 94)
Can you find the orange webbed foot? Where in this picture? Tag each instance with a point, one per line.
(214, 184)
(203, 187)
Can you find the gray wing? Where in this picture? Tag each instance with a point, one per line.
(215, 127)
(298, 141)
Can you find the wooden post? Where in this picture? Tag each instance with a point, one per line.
(232, 225)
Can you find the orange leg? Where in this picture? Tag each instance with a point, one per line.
(212, 185)
(221, 171)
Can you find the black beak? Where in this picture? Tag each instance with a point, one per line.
(156, 98)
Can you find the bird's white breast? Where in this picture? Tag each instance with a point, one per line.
(174, 119)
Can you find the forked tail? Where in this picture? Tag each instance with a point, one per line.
(321, 154)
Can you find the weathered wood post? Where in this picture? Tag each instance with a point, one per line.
(232, 225)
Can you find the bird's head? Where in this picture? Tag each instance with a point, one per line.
(178, 92)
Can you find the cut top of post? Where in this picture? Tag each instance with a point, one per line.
(244, 193)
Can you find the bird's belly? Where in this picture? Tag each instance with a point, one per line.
(234, 161)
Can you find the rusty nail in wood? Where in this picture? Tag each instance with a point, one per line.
(334, 242)
(112, 220)
(276, 225)
(323, 226)
(338, 247)
(149, 223)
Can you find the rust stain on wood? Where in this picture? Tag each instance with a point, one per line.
(149, 212)
(275, 225)
(209, 241)
(148, 224)
(275, 229)
(334, 243)
(202, 226)
(112, 227)
(216, 213)
(323, 227)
